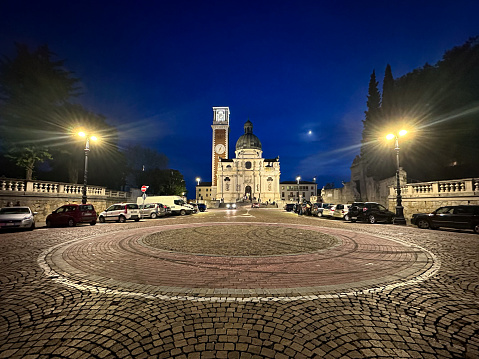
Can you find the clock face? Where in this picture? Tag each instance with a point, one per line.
(220, 116)
(220, 148)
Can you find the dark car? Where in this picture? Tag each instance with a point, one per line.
(370, 212)
(71, 214)
(289, 207)
(201, 207)
(462, 217)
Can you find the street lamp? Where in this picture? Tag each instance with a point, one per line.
(298, 179)
(399, 219)
(198, 180)
(85, 175)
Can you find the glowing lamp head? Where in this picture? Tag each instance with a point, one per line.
(82, 134)
(390, 136)
(94, 138)
(402, 132)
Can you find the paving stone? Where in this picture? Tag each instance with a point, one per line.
(105, 291)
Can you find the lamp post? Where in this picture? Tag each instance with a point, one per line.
(85, 174)
(197, 193)
(399, 219)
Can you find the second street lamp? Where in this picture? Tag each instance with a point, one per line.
(85, 174)
(399, 219)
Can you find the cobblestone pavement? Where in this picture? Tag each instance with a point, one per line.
(256, 283)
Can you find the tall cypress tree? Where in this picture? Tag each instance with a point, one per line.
(371, 116)
(387, 105)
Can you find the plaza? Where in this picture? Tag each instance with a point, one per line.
(246, 283)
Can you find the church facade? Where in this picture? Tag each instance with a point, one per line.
(248, 176)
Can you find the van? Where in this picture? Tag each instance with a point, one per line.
(176, 203)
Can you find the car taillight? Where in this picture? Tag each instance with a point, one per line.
(126, 210)
(365, 209)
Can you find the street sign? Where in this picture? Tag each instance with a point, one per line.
(144, 188)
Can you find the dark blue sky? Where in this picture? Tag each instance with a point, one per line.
(155, 69)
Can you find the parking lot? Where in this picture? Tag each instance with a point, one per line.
(245, 283)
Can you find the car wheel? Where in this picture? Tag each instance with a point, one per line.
(153, 215)
(49, 224)
(137, 220)
(476, 228)
(32, 227)
(71, 222)
(320, 214)
(101, 219)
(122, 219)
(372, 219)
(346, 217)
(92, 223)
(182, 212)
(423, 224)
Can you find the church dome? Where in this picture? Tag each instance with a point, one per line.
(248, 140)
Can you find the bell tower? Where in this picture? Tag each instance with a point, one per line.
(221, 132)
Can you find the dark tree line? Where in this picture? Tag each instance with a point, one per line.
(439, 106)
(39, 125)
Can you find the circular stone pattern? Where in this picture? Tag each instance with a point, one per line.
(240, 260)
(249, 241)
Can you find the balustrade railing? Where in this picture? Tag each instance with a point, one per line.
(16, 185)
(462, 186)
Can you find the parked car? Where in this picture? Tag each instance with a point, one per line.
(462, 217)
(71, 214)
(289, 207)
(255, 205)
(328, 212)
(371, 212)
(201, 207)
(230, 205)
(17, 217)
(195, 207)
(342, 211)
(120, 212)
(152, 210)
(317, 209)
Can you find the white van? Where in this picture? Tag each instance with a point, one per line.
(176, 203)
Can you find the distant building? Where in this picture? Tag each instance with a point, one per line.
(203, 191)
(291, 191)
(248, 176)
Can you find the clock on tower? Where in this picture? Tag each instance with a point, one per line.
(221, 130)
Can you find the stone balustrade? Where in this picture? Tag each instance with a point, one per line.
(425, 197)
(14, 185)
(439, 188)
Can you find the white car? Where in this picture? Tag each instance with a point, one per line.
(328, 212)
(120, 212)
(17, 217)
(342, 211)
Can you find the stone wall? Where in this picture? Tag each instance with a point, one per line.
(44, 197)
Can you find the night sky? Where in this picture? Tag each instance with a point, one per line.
(155, 69)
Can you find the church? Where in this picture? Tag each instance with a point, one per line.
(248, 176)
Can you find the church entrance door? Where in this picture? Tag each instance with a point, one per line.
(247, 192)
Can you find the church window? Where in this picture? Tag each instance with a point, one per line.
(247, 165)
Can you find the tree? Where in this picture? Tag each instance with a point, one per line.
(27, 157)
(163, 182)
(140, 160)
(33, 88)
(371, 116)
(387, 105)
